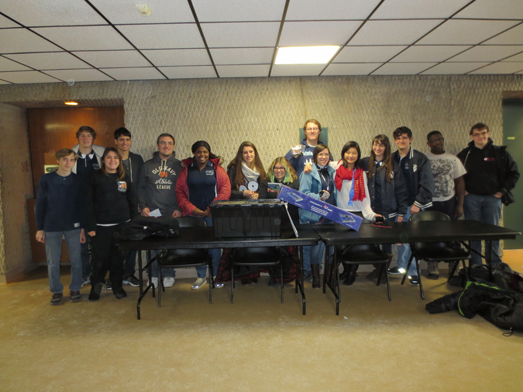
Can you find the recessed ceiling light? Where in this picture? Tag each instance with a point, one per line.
(306, 54)
(71, 103)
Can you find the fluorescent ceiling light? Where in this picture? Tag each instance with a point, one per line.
(71, 103)
(306, 54)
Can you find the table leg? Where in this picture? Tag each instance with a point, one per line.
(299, 279)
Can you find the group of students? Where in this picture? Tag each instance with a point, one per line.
(112, 187)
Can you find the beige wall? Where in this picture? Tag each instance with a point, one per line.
(269, 112)
(15, 187)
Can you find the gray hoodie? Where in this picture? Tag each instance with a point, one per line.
(157, 184)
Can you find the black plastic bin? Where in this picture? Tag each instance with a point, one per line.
(246, 218)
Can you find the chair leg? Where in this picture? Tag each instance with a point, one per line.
(407, 271)
(281, 281)
(453, 270)
(211, 285)
(419, 277)
(160, 287)
(232, 284)
(466, 270)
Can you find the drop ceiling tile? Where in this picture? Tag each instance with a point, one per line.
(242, 56)
(22, 40)
(188, 72)
(463, 32)
(54, 60)
(114, 58)
(317, 33)
(297, 69)
(402, 68)
(517, 57)
(488, 9)
(8, 65)
(393, 32)
(487, 53)
(79, 75)
(85, 37)
(6, 23)
(163, 36)
(367, 54)
(163, 11)
(330, 9)
(147, 73)
(51, 12)
(416, 9)
(453, 68)
(238, 10)
(27, 77)
(430, 53)
(511, 37)
(243, 71)
(500, 68)
(175, 57)
(234, 35)
(351, 69)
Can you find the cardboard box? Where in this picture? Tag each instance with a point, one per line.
(319, 207)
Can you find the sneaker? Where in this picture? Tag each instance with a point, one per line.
(432, 269)
(94, 295)
(218, 285)
(154, 281)
(86, 281)
(57, 299)
(414, 280)
(119, 293)
(131, 280)
(396, 271)
(198, 283)
(108, 285)
(168, 282)
(74, 296)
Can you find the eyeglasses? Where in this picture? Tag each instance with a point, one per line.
(476, 134)
(324, 155)
(279, 168)
(162, 143)
(312, 129)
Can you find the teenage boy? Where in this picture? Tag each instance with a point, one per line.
(491, 174)
(58, 214)
(157, 192)
(132, 164)
(89, 160)
(420, 186)
(449, 190)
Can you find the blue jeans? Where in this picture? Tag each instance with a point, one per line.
(130, 263)
(166, 272)
(484, 209)
(314, 254)
(216, 255)
(404, 252)
(53, 250)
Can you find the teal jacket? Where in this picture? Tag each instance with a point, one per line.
(310, 184)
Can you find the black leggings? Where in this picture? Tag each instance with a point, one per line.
(107, 256)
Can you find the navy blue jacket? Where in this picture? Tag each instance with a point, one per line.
(420, 176)
(394, 196)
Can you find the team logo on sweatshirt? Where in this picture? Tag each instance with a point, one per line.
(122, 186)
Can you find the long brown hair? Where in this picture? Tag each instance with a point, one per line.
(387, 158)
(120, 170)
(237, 162)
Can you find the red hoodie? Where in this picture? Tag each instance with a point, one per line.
(223, 186)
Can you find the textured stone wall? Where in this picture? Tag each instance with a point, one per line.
(268, 112)
(15, 187)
